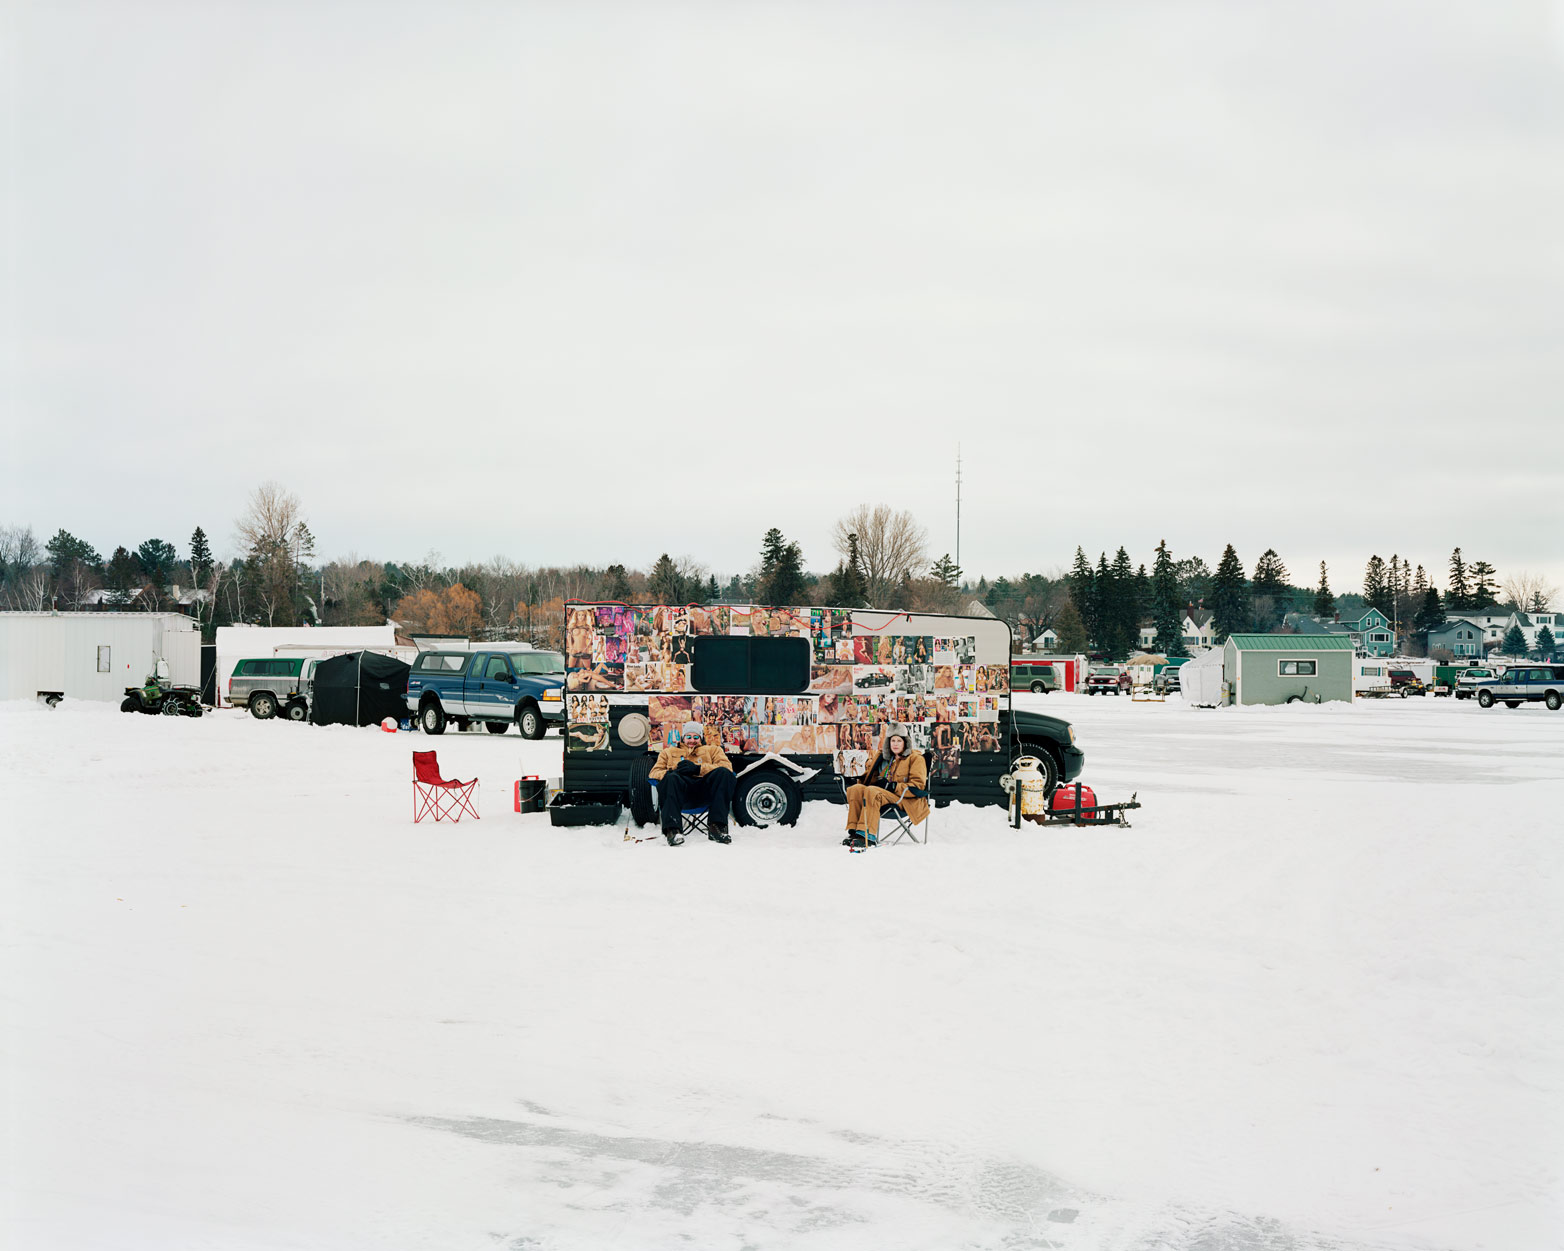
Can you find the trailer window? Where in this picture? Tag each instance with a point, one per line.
(743, 665)
(1295, 668)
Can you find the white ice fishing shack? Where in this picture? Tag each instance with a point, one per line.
(94, 655)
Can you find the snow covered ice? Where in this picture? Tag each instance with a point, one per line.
(1311, 999)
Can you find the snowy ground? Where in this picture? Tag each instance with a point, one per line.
(1312, 999)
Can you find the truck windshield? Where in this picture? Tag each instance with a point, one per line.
(538, 662)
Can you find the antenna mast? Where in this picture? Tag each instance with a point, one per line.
(958, 506)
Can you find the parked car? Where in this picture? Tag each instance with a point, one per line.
(495, 687)
(1037, 678)
(1165, 681)
(265, 687)
(1466, 685)
(1407, 683)
(1102, 684)
(1524, 684)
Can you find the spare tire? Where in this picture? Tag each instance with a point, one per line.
(641, 809)
(767, 797)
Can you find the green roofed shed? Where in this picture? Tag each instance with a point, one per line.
(1281, 668)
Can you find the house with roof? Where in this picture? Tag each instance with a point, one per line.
(1463, 639)
(1530, 626)
(1370, 632)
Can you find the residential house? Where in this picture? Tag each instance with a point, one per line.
(1463, 638)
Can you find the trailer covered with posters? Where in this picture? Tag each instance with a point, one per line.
(799, 699)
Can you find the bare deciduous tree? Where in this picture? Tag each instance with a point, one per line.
(1530, 592)
(266, 531)
(891, 544)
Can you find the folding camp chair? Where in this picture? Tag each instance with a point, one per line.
(902, 825)
(439, 797)
(691, 820)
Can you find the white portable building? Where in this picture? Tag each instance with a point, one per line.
(1201, 681)
(247, 642)
(94, 655)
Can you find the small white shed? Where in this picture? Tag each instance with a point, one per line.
(94, 655)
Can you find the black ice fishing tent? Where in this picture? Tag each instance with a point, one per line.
(361, 688)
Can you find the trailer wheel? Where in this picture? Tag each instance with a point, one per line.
(768, 797)
(530, 721)
(496, 727)
(642, 810)
(297, 711)
(1485, 699)
(431, 718)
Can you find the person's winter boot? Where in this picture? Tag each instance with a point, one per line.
(674, 837)
(719, 834)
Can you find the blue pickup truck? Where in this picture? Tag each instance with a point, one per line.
(496, 687)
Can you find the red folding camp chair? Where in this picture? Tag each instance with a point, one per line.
(437, 797)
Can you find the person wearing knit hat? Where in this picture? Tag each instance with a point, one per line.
(898, 776)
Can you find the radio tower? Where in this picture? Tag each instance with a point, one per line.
(958, 506)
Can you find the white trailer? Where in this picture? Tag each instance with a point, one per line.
(94, 655)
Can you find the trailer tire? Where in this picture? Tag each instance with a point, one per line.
(530, 721)
(642, 810)
(767, 797)
(431, 718)
(263, 705)
(298, 710)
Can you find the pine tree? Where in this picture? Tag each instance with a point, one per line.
(946, 570)
(1271, 600)
(1324, 601)
(1229, 596)
(1375, 586)
(781, 570)
(1083, 593)
(617, 583)
(1545, 643)
(157, 561)
(665, 584)
(1071, 630)
(1166, 605)
(1419, 585)
(1105, 607)
(1430, 614)
(65, 548)
(1514, 640)
(1458, 596)
(713, 591)
(200, 557)
(122, 576)
(1485, 586)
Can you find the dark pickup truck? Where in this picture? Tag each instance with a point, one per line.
(496, 687)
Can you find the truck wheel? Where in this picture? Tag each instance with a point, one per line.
(1050, 766)
(431, 718)
(1485, 699)
(1552, 700)
(530, 721)
(1403, 692)
(1039, 689)
(297, 711)
(263, 706)
(767, 797)
(496, 727)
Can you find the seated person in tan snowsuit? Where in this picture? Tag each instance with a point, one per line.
(898, 776)
(691, 772)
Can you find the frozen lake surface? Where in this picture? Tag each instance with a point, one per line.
(1311, 999)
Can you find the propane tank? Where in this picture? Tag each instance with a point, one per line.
(1030, 788)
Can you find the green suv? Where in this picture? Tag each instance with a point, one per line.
(279, 683)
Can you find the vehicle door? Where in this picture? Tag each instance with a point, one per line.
(491, 688)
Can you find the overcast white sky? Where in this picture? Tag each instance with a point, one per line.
(588, 282)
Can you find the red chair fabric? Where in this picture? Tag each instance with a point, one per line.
(441, 798)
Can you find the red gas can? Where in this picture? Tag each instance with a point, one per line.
(1072, 795)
